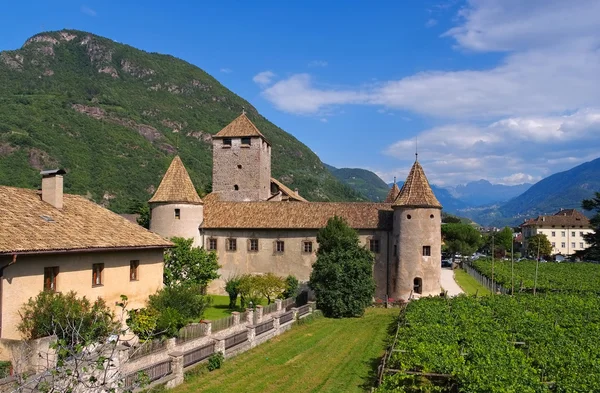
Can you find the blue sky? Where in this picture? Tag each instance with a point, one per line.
(505, 90)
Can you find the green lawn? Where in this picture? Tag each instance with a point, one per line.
(325, 355)
(220, 307)
(469, 284)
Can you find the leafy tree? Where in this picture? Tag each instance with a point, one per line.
(461, 238)
(190, 265)
(185, 299)
(541, 240)
(250, 290)
(144, 218)
(271, 286)
(592, 253)
(450, 219)
(503, 241)
(232, 287)
(342, 276)
(291, 287)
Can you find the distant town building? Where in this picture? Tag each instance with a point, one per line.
(256, 224)
(564, 229)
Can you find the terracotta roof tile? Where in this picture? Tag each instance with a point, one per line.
(393, 194)
(28, 224)
(570, 218)
(290, 215)
(240, 127)
(416, 191)
(176, 186)
(287, 191)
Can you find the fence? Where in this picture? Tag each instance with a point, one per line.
(264, 327)
(484, 280)
(285, 318)
(222, 324)
(191, 332)
(147, 348)
(271, 308)
(236, 339)
(303, 310)
(288, 303)
(149, 374)
(198, 354)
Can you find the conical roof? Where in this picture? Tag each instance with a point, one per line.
(176, 186)
(240, 127)
(393, 194)
(416, 191)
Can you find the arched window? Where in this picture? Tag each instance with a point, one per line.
(418, 285)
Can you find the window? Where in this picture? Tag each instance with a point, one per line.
(418, 285)
(279, 246)
(581, 234)
(236, 187)
(231, 245)
(374, 245)
(246, 141)
(239, 166)
(177, 214)
(226, 142)
(253, 245)
(133, 270)
(212, 244)
(562, 233)
(50, 274)
(573, 234)
(97, 273)
(562, 245)
(431, 216)
(581, 245)
(408, 216)
(307, 247)
(572, 244)
(553, 233)
(395, 249)
(553, 244)
(426, 251)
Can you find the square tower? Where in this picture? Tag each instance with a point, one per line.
(241, 162)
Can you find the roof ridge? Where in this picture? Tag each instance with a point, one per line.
(176, 185)
(241, 126)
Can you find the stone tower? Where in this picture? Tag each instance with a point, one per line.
(176, 209)
(241, 162)
(417, 233)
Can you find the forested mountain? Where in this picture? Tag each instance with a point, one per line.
(363, 181)
(482, 192)
(114, 116)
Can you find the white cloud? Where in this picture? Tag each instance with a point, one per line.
(264, 78)
(226, 70)
(324, 120)
(431, 23)
(318, 63)
(88, 11)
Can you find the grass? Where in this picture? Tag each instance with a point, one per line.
(220, 307)
(325, 355)
(469, 284)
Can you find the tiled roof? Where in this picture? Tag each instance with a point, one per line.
(176, 186)
(240, 127)
(393, 194)
(569, 218)
(290, 215)
(416, 191)
(287, 191)
(28, 224)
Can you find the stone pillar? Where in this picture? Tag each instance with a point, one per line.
(259, 314)
(176, 368)
(295, 311)
(249, 316)
(207, 327)
(251, 336)
(236, 318)
(276, 324)
(171, 343)
(279, 304)
(312, 305)
(220, 345)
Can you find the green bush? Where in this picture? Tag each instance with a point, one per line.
(169, 322)
(232, 287)
(143, 322)
(291, 287)
(215, 361)
(187, 300)
(5, 369)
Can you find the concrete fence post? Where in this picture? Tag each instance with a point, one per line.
(249, 316)
(176, 369)
(276, 324)
(295, 311)
(220, 345)
(236, 318)
(207, 327)
(259, 313)
(171, 343)
(312, 305)
(279, 303)
(252, 336)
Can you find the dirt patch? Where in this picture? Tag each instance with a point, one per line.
(7, 149)
(40, 160)
(110, 71)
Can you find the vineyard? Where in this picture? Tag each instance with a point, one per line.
(552, 276)
(501, 344)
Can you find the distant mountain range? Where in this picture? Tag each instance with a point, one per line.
(495, 204)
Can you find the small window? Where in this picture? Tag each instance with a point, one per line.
(246, 141)
(581, 234)
(408, 216)
(177, 214)
(418, 285)
(236, 187)
(395, 250)
(374, 245)
(553, 233)
(239, 166)
(580, 245)
(553, 244)
(307, 247)
(133, 270)
(231, 244)
(97, 274)
(563, 234)
(573, 234)
(212, 244)
(253, 245)
(562, 245)
(50, 274)
(572, 244)
(226, 142)
(431, 216)
(426, 251)
(279, 246)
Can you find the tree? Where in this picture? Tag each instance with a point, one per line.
(592, 253)
(342, 276)
(271, 286)
(250, 290)
(144, 218)
(503, 240)
(540, 240)
(232, 287)
(190, 265)
(461, 238)
(291, 287)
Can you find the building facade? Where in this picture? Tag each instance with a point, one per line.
(256, 224)
(565, 230)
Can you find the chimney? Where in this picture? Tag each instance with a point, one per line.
(52, 187)
(296, 191)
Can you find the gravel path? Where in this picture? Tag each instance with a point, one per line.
(448, 283)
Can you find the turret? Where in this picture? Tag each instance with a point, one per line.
(241, 162)
(176, 209)
(417, 235)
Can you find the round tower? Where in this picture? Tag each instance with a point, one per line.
(176, 209)
(417, 231)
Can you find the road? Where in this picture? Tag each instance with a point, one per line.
(448, 283)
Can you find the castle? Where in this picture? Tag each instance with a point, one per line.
(256, 224)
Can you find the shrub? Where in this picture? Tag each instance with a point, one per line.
(189, 265)
(215, 361)
(232, 287)
(143, 322)
(169, 322)
(187, 300)
(250, 290)
(270, 286)
(73, 320)
(291, 287)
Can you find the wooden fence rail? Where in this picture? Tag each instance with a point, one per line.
(222, 324)
(149, 374)
(198, 354)
(264, 327)
(236, 339)
(285, 318)
(303, 310)
(147, 348)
